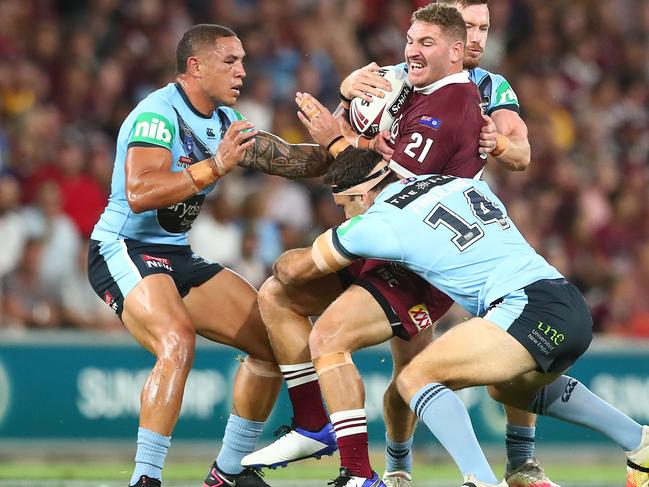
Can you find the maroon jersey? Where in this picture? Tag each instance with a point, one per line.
(438, 129)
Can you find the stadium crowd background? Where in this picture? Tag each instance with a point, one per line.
(71, 71)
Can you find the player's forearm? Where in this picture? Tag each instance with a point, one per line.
(161, 189)
(517, 155)
(295, 267)
(157, 189)
(273, 155)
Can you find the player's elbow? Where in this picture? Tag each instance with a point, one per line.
(135, 201)
(522, 163)
(283, 272)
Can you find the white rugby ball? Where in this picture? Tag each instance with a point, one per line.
(370, 117)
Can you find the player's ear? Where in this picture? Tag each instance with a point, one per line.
(457, 52)
(192, 67)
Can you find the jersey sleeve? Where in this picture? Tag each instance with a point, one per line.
(367, 236)
(153, 125)
(502, 96)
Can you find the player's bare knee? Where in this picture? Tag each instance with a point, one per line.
(262, 368)
(272, 298)
(327, 337)
(391, 394)
(177, 347)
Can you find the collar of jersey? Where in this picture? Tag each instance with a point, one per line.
(188, 102)
(462, 77)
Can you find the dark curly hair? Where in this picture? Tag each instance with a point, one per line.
(352, 166)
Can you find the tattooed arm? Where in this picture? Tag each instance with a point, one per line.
(273, 155)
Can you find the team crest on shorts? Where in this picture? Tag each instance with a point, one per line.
(420, 316)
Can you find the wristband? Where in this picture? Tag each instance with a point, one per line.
(344, 98)
(191, 181)
(334, 140)
(502, 144)
(338, 145)
(218, 165)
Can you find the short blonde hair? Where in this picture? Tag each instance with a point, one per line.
(448, 18)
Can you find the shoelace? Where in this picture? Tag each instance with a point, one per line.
(342, 479)
(531, 471)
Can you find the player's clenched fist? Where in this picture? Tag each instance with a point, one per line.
(364, 82)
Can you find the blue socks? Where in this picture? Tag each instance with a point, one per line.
(150, 455)
(447, 418)
(398, 456)
(568, 399)
(239, 439)
(519, 441)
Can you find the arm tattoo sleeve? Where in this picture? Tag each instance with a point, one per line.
(273, 155)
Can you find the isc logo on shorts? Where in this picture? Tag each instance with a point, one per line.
(420, 316)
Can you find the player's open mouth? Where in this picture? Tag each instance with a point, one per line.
(236, 90)
(415, 66)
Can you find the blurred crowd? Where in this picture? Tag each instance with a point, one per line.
(71, 71)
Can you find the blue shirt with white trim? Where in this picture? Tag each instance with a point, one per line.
(453, 232)
(167, 119)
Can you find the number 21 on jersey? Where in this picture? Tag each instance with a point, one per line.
(419, 146)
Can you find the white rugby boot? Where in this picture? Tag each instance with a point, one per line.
(292, 445)
(529, 474)
(398, 478)
(637, 463)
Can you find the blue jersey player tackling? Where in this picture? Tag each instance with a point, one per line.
(530, 323)
(171, 151)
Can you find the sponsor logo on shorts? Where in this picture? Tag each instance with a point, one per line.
(420, 316)
(110, 300)
(552, 333)
(157, 262)
(389, 278)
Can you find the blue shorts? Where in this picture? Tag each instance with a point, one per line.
(115, 268)
(550, 318)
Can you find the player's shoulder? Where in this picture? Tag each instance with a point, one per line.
(161, 99)
(494, 89)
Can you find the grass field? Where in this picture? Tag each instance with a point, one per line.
(304, 474)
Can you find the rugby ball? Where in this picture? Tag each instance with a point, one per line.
(370, 117)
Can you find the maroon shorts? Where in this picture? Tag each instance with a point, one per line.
(410, 303)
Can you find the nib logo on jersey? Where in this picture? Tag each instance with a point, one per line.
(157, 262)
(153, 128)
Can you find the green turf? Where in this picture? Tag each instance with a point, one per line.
(603, 473)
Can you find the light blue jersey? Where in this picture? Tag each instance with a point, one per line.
(453, 232)
(495, 91)
(166, 119)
